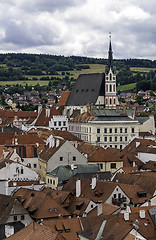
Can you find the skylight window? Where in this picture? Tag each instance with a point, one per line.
(50, 210)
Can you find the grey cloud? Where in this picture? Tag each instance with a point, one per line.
(49, 5)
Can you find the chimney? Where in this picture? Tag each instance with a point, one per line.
(39, 109)
(16, 141)
(93, 184)
(88, 108)
(47, 112)
(57, 142)
(117, 108)
(9, 230)
(15, 150)
(99, 209)
(78, 188)
(137, 144)
(126, 216)
(51, 141)
(134, 164)
(142, 213)
(124, 110)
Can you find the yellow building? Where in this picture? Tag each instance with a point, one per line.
(108, 159)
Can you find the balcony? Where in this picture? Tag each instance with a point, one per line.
(118, 201)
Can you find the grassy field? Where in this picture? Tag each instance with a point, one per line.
(23, 83)
(142, 69)
(94, 68)
(126, 87)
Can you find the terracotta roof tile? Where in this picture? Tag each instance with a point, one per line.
(8, 116)
(99, 154)
(69, 227)
(63, 99)
(84, 117)
(107, 209)
(66, 135)
(43, 120)
(144, 180)
(104, 189)
(36, 231)
(47, 153)
(40, 205)
(140, 145)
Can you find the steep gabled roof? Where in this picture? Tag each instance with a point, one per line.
(7, 116)
(48, 152)
(40, 204)
(144, 180)
(23, 139)
(36, 231)
(69, 227)
(86, 89)
(107, 209)
(83, 117)
(7, 203)
(140, 145)
(104, 189)
(43, 120)
(99, 154)
(63, 99)
(66, 135)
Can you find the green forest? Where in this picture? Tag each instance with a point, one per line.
(60, 71)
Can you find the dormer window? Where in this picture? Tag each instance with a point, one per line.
(142, 194)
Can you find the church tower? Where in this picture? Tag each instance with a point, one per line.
(110, 82)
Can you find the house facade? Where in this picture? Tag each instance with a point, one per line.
(107, 131)
(10, 170)
(58, 152)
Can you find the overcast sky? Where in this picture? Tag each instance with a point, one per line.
(79, 27)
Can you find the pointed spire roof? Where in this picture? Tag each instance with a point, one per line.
(110, 54)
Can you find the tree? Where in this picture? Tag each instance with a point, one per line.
(3, 100)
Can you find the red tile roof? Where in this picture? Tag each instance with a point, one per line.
(69, 227)
(104, 189)
(40, 205)
(84, 117)
(99, 154)
(36, 231)
(63, 99)
(43, 120)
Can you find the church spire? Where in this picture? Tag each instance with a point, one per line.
(110, 54)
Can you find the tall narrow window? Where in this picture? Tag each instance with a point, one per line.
(106, 87)
(110, 76)
(110, 88)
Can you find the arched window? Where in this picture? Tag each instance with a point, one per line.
(114, 88)
(110, 88)
(106, 87)
(110, 101)
(106, 101)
